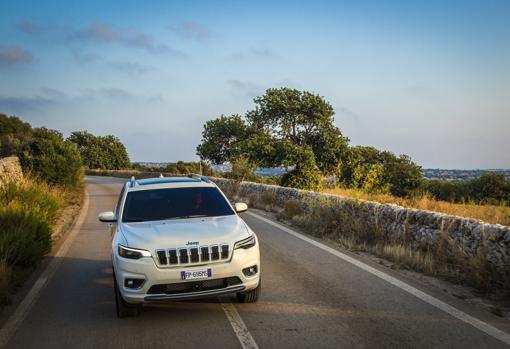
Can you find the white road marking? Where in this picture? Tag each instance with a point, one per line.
(24, 307)
(479, 324)
(239, 327)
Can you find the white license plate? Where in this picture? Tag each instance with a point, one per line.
(197, 274)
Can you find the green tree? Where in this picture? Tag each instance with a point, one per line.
(100, 152)
(14, 135)
(376, 171)
(492, 188)
(306, 174)
(51, 158)
(303, 119)
(221, 137)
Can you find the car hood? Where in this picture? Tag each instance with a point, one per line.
(179, 232)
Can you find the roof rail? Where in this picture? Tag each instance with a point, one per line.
(197, 176)
(132, 182)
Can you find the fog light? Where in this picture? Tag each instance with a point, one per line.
(250, 271)
(133, 283)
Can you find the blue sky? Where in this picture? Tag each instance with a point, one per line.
(427, 78)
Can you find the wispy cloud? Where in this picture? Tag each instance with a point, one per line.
(49, 97)
(264, 53)
(97, 32)
(245, 87)
(123, 67)
(254, 52)
(12, 55)
(129, 67)
(20, 105)
(34, 28)
(105, 33)
(84, 57)
(192, 30)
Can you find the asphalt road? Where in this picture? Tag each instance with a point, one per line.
(310, 299)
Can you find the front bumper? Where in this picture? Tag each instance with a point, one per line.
(145, 268)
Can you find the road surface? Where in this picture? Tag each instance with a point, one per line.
(311, 298)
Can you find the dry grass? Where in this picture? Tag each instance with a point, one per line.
(486, 213)
(52, 205)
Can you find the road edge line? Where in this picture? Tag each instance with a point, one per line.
(447, 308)
(239, 327)
(17, 317)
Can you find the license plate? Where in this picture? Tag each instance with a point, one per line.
(197, 274)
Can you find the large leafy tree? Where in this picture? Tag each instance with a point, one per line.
(221, 137)
(287, 127)
(295, 129)
(303, 119)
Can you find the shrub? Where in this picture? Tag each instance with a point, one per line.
(51, 158)
(27, 211)
(105, 152)
(291, 209)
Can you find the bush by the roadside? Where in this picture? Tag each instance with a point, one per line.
(53, 159)
(27, 212)
(42, 152)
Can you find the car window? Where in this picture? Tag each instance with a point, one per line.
(173, 203)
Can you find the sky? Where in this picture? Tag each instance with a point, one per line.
(430, 79)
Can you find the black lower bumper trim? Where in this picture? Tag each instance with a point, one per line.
(194, 295)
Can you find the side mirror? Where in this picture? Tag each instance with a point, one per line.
(107, 217)
(240, 207)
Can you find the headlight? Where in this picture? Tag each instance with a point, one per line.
(132, 253)
(246, 243)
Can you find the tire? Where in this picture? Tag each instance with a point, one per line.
(123, 308)
(251, 296)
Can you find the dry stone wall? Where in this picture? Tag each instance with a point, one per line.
(10, 170)
(417, 226)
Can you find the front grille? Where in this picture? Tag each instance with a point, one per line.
(194, 286)
(192, 255)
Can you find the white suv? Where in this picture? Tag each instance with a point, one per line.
(179, 238)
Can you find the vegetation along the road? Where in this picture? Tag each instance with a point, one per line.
(295, 130)
(32, 209)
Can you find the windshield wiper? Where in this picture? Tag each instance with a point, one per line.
(133, 220)
(188, 216)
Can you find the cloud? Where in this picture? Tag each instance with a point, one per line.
(20, 105)
(123, 67)
(84, 58)
(193, 30)
(33, 28)
(254, 52)
(97, 32)
(247, 88)
(129, 67)
(106, 34)
(12, 55)
(102, 33)
(264, 53)
(116, 93)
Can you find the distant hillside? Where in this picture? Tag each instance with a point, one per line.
(436, 173)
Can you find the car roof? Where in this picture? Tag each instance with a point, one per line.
(168, 182)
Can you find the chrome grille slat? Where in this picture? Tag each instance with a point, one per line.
(192, 255)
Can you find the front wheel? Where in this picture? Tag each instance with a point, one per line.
(124, 309)
(251, 296)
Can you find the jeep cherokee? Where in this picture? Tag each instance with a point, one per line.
(179, 238)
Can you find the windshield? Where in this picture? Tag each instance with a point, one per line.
(174, 203)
